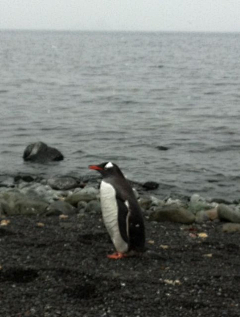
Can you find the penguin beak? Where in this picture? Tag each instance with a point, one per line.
(95, 167)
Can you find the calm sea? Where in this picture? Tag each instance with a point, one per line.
(122, 97)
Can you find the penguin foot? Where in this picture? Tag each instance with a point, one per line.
(117, 255)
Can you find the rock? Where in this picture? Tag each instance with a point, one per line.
(156, 201)
(206, 215)
(15, 203)
(150, 185)
(172, 213)
(60, 207)
(6, 181)
(212, 213)
(220, 201)
(4, 208)
(41, 153)
(231, 227)
(201, 216)
(40, 192)
(162, 148)
(198, 203)
(229, 213)
(81, 206)
(86, 194)
(63, 183)
(93, 206)
(24, 178)
(145, 202)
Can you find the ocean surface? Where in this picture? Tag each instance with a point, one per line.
(164, 106)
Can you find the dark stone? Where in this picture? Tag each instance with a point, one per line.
(63, 183)
(25, 178)
(150, 185)
(162, 148)
(41, 153)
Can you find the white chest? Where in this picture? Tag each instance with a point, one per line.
(110, 215)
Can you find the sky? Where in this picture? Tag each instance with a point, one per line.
(122, 15)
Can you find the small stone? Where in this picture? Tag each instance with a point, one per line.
(151, 241)
(172, 282)
(40, 224)
(208, 255)
(164, 246)
(202, 235)
(4, 222)
(231, 227)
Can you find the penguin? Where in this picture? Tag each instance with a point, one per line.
(121, 212)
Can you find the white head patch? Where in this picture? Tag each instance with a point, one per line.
(109, 165)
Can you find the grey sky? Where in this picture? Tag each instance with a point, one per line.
(134, 15)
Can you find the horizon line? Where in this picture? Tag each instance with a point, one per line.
(116, 31)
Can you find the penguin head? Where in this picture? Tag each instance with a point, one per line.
(107, 169)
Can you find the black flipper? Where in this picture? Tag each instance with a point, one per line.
(136, 232)
(123, 214)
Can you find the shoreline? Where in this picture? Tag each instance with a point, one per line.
(27, 194)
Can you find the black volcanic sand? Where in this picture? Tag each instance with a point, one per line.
(61, 269)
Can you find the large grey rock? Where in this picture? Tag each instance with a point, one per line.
(40, 192)
(15, 203)
(86, 194)
(60, 207)
(41, 153)
(63, 183)
(229, 213)
(174, 213)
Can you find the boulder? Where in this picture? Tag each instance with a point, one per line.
(40, 192)
(63, 183)
(229, 213)
(174, 213)
(15, 203)
(41, 153)
(150, 185)
(86, 194)
(60, 207)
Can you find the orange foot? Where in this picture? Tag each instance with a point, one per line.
(117, 255)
